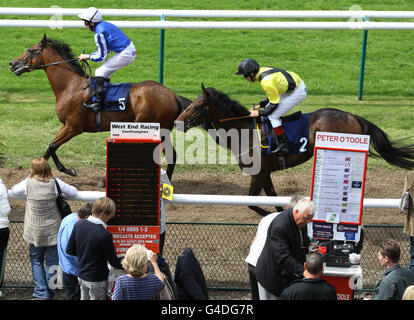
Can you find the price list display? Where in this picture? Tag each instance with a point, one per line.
(133, 183)
(338, 185)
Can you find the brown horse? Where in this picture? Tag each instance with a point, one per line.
(212, 106)
(148, 101)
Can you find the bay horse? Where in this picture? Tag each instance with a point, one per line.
(149, 101)
(212, 106)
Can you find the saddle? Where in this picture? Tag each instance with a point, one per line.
(296, 127)
(116, 95)
(116, 98)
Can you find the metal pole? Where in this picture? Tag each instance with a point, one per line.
(161, 67)
(362, 67)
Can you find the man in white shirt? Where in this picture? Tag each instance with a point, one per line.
(258, 244)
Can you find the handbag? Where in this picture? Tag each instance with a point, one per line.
(62, 204)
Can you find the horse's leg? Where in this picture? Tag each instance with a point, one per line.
(256, 185)
(64, 135)
(170, 157)
(270, 190)
(171, 166)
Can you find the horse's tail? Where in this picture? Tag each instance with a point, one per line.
(391, 151)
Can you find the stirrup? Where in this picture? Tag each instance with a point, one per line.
(96, 107)
(282, 149)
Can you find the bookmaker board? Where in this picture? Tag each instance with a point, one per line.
(133, 173)
(338, 182)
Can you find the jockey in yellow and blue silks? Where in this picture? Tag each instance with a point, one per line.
(284, 90)
(108, 37)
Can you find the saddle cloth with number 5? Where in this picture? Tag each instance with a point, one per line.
(116, 95)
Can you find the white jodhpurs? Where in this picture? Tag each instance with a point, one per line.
(287, 102)
(119, 60)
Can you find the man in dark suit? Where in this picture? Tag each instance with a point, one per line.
(283, 255)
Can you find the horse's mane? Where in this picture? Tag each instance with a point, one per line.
(222, 100)
(66, 53)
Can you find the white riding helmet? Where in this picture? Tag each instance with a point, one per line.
(91, 14)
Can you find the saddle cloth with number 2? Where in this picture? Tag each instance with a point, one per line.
(296, 127)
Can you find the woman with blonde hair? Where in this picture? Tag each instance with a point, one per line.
(138, 284)
(408, 293)
(41, 223)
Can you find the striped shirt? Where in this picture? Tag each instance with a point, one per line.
(130, 288)
(108, 37)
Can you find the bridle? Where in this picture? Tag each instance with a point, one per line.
(192, 121)
(33, 53)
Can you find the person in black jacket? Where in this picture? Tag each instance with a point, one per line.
(284, 252)
(94, 247)
(312, 287)
(189, 277)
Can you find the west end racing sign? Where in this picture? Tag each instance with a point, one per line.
(338, 182)
(135, 130)
(133, 178)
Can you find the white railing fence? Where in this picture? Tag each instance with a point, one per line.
(225, 200)
(357, 20)
(265, 14)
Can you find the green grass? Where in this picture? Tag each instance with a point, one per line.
(327, 60)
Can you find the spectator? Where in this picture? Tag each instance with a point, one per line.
(409, 220)
(312, 286)
(93, 245)
(395, 278)
(68, 263)
(138, 284)
(4, 228)
(408, 293)
(283, 254)
(258, 243)
(41, 223)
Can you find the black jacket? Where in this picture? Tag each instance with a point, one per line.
(309, 289)
(283, 254)
(189, 278)
(94, 247)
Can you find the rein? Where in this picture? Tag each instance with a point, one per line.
(235, 118)
(41, 66)
(85, 66)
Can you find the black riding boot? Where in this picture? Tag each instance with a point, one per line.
(100, 95)
(282, 145)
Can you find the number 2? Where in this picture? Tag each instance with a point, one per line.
(304, 142)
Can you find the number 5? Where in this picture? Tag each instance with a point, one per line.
(121, 103)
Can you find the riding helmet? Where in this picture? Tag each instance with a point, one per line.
(91, 15)
(248, 66)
